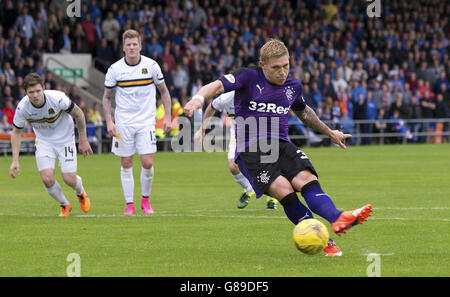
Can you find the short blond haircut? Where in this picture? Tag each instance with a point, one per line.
(273, 48)
(130, 33)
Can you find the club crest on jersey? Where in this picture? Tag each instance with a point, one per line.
(263, 177)
(144, 71)
(51, 111)
(289, 92)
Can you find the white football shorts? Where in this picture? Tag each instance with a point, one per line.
(131, 140)
(47, 153)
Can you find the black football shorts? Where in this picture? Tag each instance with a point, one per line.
(291, 160)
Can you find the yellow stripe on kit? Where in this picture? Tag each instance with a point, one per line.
(46, 120)
(135, 83)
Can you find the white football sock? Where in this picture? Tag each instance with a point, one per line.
(242, 180)
(146, 181)
(126, 176)
(78, 186)
(57, 194)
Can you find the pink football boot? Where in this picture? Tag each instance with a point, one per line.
(145, 205)
(130, 209)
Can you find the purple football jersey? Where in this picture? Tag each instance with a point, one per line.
(261, 108)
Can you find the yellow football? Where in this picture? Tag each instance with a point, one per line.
(310, 236)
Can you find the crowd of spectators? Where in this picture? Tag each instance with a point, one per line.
(352, 66)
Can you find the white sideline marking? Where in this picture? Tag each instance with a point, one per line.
(195, 213)
(375, 208)
(412, 208)
(379, 254)
(409, 219)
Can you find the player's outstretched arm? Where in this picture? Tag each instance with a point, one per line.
(206, 92)
(165, 97)
(106, 103)
(209, 112)
(84, 147)
(309, 117)
(15, 146)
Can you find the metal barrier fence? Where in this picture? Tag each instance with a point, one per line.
(387, 131)
(364, 132)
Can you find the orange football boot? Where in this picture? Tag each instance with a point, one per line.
(65, 210)
(332, 250)
(85, 203)
(351, 218)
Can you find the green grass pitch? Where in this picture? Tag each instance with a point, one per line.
(198, 231)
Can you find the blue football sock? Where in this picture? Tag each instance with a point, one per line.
(294, 209)
(319, 202)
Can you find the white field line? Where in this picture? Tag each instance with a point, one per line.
(379, 254)
(375, 208)
(412, 208)
(219, 214)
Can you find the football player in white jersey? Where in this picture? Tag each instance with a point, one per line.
(225, 103)
(135, 79)
(50, 114)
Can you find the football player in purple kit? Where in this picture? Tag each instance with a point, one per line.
(265, 93)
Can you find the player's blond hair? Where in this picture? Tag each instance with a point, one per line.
(273, 48)
(130, 33)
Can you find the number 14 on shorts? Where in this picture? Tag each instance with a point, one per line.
(68, 150)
